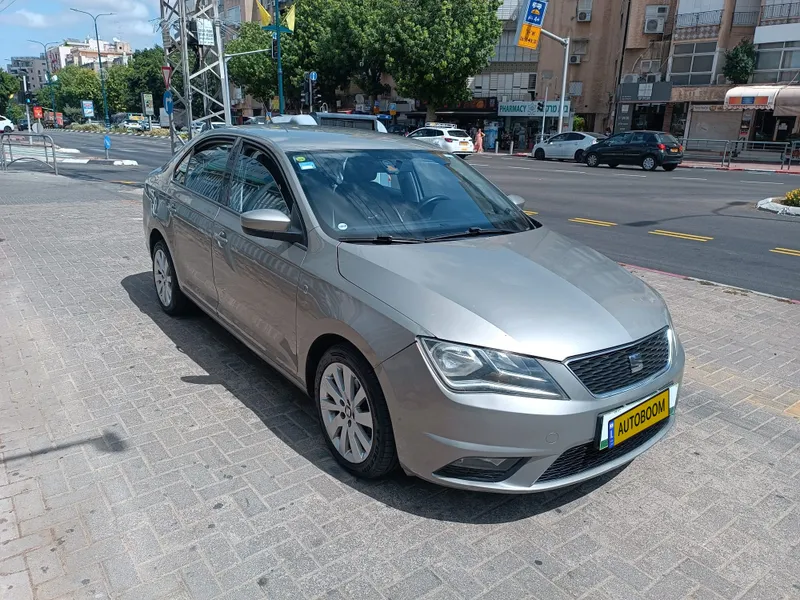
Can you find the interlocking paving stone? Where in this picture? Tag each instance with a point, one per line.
(145, 457)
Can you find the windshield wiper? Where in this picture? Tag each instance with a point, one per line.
(381, 239)
(471, 232)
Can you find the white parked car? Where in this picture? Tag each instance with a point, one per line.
(570, 145)
(6, 125)
(446, 136)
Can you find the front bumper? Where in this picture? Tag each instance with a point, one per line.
(556, 439)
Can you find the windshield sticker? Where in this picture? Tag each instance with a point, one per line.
(342, 226)
(305, 166)
(300, 159)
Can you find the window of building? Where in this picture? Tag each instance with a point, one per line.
(579, 47)
(576, 88)
(507, 50)
(693, 64)
(777, 62)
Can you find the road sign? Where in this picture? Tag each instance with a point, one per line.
(88, 108)
(393, 109)
(147, 104)
(205, 32)
(168, 104)
(166, 73)
(107, 142)
(37, 112)
(530, 26)
(312, 76)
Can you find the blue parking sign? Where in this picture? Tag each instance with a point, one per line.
(107, 143)
(535, 13)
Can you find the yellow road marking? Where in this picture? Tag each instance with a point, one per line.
(592, 222)
(530, 212)
(683, 236)
(787, 251)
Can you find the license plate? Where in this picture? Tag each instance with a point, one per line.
(625, 422)
(675, 150)
(464, 144)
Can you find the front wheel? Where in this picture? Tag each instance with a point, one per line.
(669, 167)
(6, 129)
(649, 163)
(353, 414)
(170, 297)
(539, 154)
(579, 156)
(593, 160)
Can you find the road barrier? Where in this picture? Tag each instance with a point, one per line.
(24, 150)
(730, 152)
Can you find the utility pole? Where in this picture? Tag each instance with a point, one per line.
(100, 59)
(565, 43)
(27, 109)
(49, 76)
(276, 19)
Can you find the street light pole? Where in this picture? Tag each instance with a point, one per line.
(277, 19)
(49, 76)
(565, 43)
(99, 58)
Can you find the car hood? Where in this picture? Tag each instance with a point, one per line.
(536, 293)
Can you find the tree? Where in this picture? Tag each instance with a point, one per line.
(144, 75)
(740, 62)
(9, 85)
(121, 96)
(14, 111)
(74, 84)
(256, 73)
(437, 44)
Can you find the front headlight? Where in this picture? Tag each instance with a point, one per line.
(471, 369)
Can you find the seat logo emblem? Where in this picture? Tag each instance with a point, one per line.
(636, 362)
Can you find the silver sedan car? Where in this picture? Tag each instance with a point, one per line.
(435, 325)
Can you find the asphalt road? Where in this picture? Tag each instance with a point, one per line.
(697, 223)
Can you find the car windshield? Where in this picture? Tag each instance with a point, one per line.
(415, 194)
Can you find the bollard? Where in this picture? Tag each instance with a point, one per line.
(511, 149)
(496, 147)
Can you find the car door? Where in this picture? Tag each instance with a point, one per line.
(256, 278)
(193, 203)
(555, 146)
(637, 147)
(614, 148)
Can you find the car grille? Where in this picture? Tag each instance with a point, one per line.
(582, 458)
(611, 371)
(454, 472)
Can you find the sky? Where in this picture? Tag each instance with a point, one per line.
(52, 21)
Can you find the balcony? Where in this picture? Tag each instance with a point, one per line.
(697, 25)
(778, 14)
(745, 19)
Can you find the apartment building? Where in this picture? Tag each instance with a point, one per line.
(84, 53)
(34, 68)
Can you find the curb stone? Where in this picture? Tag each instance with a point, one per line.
(772, 205)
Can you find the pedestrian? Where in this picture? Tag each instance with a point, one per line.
(479, 140)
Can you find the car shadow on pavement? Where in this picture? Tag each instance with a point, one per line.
(290, 415)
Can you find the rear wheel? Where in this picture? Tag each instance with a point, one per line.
(592, 159)
(669, 167)
(353, 414)
(6, 129)
(169, 293)
(579, 156)
(539, 154)
(649, 163)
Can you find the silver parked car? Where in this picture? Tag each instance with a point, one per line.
(434, 324)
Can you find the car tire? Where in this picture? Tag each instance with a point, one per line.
(539, 154)
(669, 167)
(6, 129)
(592, 159)
(337, 414)
(579, 156)
(165, 280)
(613, 165)
(649, 163)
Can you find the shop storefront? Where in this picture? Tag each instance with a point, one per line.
(642, 106)
(523, 122)
(774, 110)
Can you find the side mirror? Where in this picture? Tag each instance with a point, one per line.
(518, 201)
(270, 224)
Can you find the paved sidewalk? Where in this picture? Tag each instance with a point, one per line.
(148, 457)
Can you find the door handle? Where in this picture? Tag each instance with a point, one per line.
(221, 238)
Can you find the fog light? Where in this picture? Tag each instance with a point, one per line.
(479, 468)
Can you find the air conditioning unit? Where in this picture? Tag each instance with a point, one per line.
(630, 78)
(574, 59)
(655, 25)
(653, 77)
(584, 16)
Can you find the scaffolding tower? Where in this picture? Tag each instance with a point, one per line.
(191, 32)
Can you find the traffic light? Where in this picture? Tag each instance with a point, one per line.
(274, 45)
(30, 97)
(540, 106)
(304, 96)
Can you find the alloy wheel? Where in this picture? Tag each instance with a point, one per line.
(162, 274)
(346, 412)
(649, 163)
(592, 160)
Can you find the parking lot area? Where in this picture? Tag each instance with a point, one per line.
(143, 456)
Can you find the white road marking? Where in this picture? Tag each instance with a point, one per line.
(690, 178)
(762, 182)
(478, 164)
(625, 175)
(526, 168)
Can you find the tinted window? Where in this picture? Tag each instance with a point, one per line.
(460, 133)
(559, 138)
(435, 132)
(418, 133)
(618, 140)
(205, 172)
(639, 138)
(666, 138)
(349, 123)
(574, 137)
(253, 185)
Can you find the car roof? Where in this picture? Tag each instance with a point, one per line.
(305, 138)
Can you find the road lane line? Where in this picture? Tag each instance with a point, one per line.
(684, 236)
(787, 251)
(526, 168)
(592, 222)
(762, 182)
(625, 175)
(530, 212)
(690, 178)
(478, 164)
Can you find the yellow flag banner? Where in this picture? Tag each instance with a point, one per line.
(266, 18)
(288, 20)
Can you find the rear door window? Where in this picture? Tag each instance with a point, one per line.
(639, 138)
(205, 171)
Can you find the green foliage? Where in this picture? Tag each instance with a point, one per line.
(73, 85)
(15, 111)
(119, 92)
(73, 112)
(257, 73)
(792, 198)
(9, 85)
(578, 123)
(740, 62)
(144, 75)
(436, 45)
